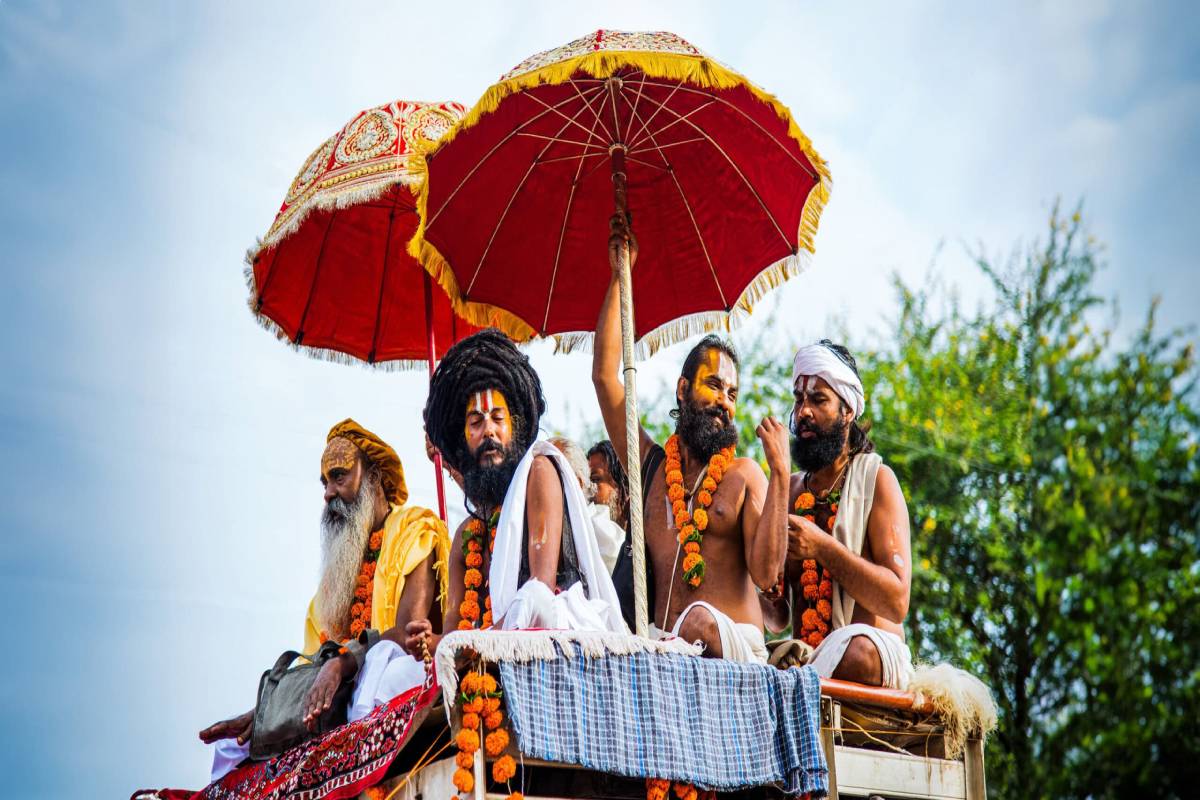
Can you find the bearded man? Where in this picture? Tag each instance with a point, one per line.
(532, 551)
(849, 562)
(383, 563)
(715, 526)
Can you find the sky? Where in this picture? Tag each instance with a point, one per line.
(161, 532)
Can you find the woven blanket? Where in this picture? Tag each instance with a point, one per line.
(340, 764)
(713, 723)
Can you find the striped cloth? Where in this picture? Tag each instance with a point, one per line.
(713, 723)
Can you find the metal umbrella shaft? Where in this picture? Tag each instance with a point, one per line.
(633, 459)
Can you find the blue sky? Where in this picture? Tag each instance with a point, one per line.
(160, 537)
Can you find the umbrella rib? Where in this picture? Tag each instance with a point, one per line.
(488, 155)
(595, 113)
(782, 146)
(691, 215)
(646, 163)
(668, 144)
(313, 286)
(562, 232)
(673, 123)
(512, 198)
(633, 109)
(555, 139)
(791, 248)
(387, 247)
(581, 156)
(661, 105)
(554, 108)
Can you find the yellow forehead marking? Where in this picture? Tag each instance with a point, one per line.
(716, 363)
(340, 453)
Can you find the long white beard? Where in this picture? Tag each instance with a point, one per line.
(344, 540)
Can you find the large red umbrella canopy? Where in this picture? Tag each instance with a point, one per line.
(332, 275)
(724, 189)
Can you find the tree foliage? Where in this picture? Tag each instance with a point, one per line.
(1051, 474)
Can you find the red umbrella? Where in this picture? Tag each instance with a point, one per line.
(332, 276)
(724, 189)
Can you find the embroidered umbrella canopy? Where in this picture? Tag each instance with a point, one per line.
(332, 276)
(723, 188)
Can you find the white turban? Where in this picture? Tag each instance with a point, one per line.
(819, 361)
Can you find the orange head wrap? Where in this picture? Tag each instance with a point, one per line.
(379, 453)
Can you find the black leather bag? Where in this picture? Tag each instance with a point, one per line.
(279, 712)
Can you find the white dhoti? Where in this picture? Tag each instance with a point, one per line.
(740, 641)
(387, 672)
(893, 653)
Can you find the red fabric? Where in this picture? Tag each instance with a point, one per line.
(342, 763)
(344, 281)
(501, 236)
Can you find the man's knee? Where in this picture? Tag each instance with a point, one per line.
(699, 625)
(860, 663)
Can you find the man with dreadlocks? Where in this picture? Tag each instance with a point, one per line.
(849, 564)
(715, 526)
(526, 556)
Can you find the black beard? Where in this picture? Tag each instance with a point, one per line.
(814, 454)
(697, 430)
(486, 485)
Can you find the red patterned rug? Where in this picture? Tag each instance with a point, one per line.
(342, 763)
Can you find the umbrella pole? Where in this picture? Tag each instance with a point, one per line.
(633, 458)
(437, 456)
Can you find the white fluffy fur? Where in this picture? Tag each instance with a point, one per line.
(963, 702)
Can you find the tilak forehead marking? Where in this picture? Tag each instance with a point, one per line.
(340, 453)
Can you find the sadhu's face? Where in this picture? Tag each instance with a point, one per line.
(817, 408)
(715, 386)
(601, 477)
(341, 470)
(489, 428)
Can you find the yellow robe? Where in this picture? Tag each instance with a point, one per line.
(410, 534)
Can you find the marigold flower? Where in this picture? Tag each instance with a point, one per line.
(361, 592)
(829, 523)
(495, 742)
(690, 560)
(487, 602)
(493, 720)
(718, 460)
(709, 484)
(487, 683)
(685, 791)
(369, 569)
(357, 627)
(809, 576)
(674, 476)
(814, 639)
(516, 796)
(679, 507)
(681, 518)
(691, 547)
(704, 498)
(695, 580)
(474, 560)
(467, 740)
(473, 706)
(656, 789)
(376, 541)
(811, 518)
(808, 563)
(675, 492)
(503, 769)
(809, 618)
(361, 578)
(826, 589)
(473, 579)
(486, 622)
(687, 530)
(491, 705)
(833, 508)
(470, 683)
(468, 610)
(465, 625)
(474, 546)
(356, 610)
(475, 526)
(822, 627)
(805, 501)
(810, 592)
(824, 609)
(470, 720)
(716, 473)
(701, 518)
(464, 781)
(464, 760)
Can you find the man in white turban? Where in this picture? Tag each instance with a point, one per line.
(848, 568)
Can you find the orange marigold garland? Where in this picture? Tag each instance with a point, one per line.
(692, 522)
(816, 584)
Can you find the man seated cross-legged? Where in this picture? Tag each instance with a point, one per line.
(526, 557)
(715, 526)
(849, 564)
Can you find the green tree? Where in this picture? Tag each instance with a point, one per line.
(1052, 480)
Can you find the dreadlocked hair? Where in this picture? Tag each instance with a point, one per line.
(860, 441)
(482, 361)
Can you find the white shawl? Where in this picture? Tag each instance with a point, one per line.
(533, 605)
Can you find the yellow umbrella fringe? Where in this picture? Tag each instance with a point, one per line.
(697, 71)
(317, 353)
(684, 328)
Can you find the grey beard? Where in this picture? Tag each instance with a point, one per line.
(345, 531)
